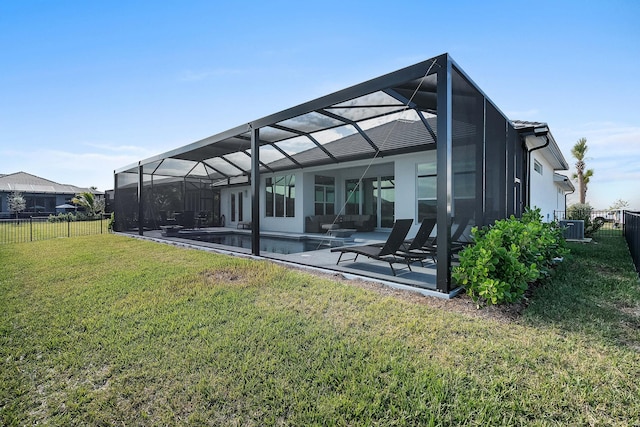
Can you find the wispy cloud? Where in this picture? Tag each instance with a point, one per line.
(118, 148)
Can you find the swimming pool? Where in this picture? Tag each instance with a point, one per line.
(278, 245)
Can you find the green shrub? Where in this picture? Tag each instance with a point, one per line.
(583, 212)
(112, 220)
(70, 217)
(62, 217)
(507, 257)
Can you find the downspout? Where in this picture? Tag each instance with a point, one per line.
(546, 144)
(565, 200)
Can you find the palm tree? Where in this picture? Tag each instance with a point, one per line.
(89, 202)
(579, 150)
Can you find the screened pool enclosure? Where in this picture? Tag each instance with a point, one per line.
(420, 142)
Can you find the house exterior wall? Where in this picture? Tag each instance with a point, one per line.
(403, 168)
(59, 200)
(543, 190)
(560, 200)
(406, 176)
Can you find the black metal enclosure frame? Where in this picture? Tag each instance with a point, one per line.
(481, 158)
(632, 236)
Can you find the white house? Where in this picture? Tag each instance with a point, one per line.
(547, 187)
(420, 142)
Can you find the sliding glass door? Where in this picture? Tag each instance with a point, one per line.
(373, 196)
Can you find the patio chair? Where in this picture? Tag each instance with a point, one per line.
(412, 248)
(385, 253)
(430, 248)
(420, 239)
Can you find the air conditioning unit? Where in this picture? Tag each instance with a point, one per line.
(572, 228)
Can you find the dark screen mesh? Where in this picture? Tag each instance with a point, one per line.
(466, 161)
(495, 165)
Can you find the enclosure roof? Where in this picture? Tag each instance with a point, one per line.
(300, 136)
(351, 124)
(26, 183)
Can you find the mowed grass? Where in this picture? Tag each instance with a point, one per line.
(111, 330)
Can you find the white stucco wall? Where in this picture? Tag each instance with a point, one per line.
(543, 190)
(544, 193)
(403, 169)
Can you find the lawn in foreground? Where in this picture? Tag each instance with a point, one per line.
(106, 330)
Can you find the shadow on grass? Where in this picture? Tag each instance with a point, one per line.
(595, 291)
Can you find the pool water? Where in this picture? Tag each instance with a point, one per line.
(267, 244)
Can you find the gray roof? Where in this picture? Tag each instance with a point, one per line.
(400, 136)
(538, 129)
(26, 183)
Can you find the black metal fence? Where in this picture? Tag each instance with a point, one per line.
(596, 223)
(632, 235)
(40, 228)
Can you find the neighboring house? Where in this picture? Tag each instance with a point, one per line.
(42, 195)
(420, 142)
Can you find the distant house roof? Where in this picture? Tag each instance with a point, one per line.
(26, 183)
(537, 130)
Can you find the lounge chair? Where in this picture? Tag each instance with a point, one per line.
(421, 238)
(385, 253)
(430, 248)
(412, 248)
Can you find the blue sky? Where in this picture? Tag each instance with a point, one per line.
(87, 87)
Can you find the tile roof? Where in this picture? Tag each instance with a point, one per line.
(27, 183)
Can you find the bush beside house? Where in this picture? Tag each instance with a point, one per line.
(507, 257)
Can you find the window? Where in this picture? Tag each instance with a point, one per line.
(280, 196)
(325, 195)
(464, 173)
(240, 209)
(352, 188)
(233, 207)
(537, 166)
(427, 190)
(40, 203)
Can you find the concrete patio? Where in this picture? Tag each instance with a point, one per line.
(421, 279)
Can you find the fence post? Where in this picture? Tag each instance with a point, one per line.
(68, 227)
(31, 229)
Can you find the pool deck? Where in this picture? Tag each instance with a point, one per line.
(421, 279)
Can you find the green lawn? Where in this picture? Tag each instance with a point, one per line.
(111, 330)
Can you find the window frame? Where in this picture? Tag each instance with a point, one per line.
(280, 196)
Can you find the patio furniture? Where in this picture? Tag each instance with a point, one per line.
(430, 248)
(411, 249)
(202, 219)
(385, 253)
(420, 239)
